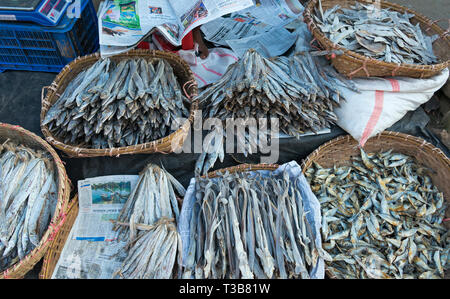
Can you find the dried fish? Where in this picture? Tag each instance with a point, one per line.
(107, 100)
(382, 218)
(382, 34)
(28, 194)
(245, 225)
(299, 91)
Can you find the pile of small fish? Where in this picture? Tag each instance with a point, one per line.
(28, 197)
(382, 217)
(247, 225)
(297, 90)
(115, 105)
(377, 33)
(153, 253)
(147, 223)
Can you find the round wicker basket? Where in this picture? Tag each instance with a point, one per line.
(340, 150)
(167, 144)
(353, 64)
(20, 135)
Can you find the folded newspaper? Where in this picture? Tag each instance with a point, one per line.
(92, 250)
(123, 23)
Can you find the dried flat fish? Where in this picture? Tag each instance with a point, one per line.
(381, 34)
(382, 218)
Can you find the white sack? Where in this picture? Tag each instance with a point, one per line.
(382, 102)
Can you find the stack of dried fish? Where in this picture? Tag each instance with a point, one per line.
(109, 105)
(152, 198)
(382, 218)
(377, 33)
(152, 254)
(249, 226)
(299, 91)
(28, 196)
(148, 216)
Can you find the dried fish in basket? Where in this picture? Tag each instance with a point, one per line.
(250, 225)
(34, 193)
(382, 217)
(137, 102)
(378, 33)
(148, 223)
(379, 39)
(299, 91)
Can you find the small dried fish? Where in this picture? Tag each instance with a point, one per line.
(382, 218)
(377, 33)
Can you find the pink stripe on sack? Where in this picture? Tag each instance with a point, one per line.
(376, 113)
(212, 71)
(200, 78)
(395, 85)
(225, 54)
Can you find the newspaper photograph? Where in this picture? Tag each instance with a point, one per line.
(91, 249)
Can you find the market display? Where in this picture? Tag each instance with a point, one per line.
(28, 196)
(245, 225)
(377, 33)
(119, 104)
(382, 217)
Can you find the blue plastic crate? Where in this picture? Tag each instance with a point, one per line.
(28, 46)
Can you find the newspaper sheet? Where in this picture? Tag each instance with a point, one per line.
(91, 249)
(259, 26)
(272, 43)
(125, 22)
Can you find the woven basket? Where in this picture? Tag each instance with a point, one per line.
(26, 138)
(167, 144)
(353, 64)
(339, 151)
(54, 252)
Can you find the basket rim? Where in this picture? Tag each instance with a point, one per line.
(317, 32)
(148, 147)
(43, 274)
(306, 163)
(19, 269)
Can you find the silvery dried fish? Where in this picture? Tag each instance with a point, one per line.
(247, 225)
(28, 194)
(147, 222)
(377, 33)
(382, 218)
(299, 91)
(103, 102)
